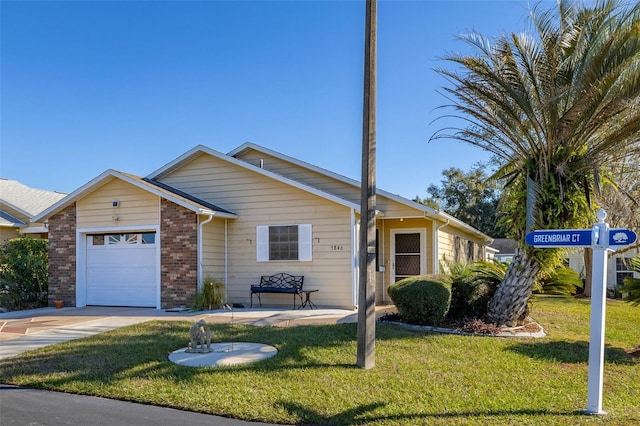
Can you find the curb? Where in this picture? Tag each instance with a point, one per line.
(506, 334)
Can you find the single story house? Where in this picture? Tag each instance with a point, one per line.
(18, 205)
(124, 240)
(618, 267)
(504, 249)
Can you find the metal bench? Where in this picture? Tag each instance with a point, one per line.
(282, 283)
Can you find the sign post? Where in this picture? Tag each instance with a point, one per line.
(600, 238)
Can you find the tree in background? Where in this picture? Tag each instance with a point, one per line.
(468, 196)
(559, 108)
(621, 202)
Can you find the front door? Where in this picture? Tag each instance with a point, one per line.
(408, 253)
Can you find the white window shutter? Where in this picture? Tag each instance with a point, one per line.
(305, 242)
(262, 243)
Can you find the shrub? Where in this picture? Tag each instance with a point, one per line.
(472, 286)
(210, 296)
(631, 288)
(563, 281)
(422, 300)
(24, 273)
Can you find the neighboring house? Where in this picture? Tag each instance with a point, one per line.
(131, 241)
(618, 267)
(506, 249)
(18, 205)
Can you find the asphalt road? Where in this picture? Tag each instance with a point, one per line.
(23, 406)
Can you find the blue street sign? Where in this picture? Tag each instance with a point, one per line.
(560, 238)
(621, 237)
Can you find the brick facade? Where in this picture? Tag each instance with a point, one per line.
(179, 256)
(62, 256)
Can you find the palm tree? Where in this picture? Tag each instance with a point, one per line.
(558, 108)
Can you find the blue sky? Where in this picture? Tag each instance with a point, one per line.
(130, 85)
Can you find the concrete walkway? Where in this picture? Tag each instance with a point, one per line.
(27, 330)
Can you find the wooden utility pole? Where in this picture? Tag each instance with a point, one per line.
(367, 246)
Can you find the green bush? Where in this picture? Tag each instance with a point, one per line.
(472, 286)
(24, 273)
(210, 296)
(631, 288)
(422, 300)
(562, 281)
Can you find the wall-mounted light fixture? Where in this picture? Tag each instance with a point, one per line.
(317, 239)
(115, 218)
(250, 241)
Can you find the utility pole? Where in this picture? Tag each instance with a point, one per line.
(367, 246)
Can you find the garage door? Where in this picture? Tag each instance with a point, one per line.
(122, 269)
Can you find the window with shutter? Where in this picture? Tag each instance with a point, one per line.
(284, 242)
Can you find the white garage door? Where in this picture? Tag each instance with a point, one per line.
(122, 269)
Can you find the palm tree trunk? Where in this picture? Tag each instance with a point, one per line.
(509, 303)
(588, 266)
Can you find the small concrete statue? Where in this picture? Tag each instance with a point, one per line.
(200, 334)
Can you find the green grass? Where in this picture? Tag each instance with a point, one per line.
(419, 378)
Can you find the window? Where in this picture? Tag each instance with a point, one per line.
(284, 242)
(470, 251)
(622, 270)
(148, 238)
(122, 239)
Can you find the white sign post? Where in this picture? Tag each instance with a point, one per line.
(598, 305)
(600, 238)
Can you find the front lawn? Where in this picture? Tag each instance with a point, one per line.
(419, 378)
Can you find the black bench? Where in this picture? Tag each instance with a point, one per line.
(279, 283)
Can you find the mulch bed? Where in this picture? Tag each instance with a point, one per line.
(474, 326)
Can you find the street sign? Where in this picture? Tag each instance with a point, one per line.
(555, 238)
(600, 238)
(621, 237)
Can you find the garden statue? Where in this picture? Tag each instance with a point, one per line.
(200, 334)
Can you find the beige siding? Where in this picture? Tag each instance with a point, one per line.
(302, 175)
(7, 234)
(137, 206)
(213, 250)
(259, 200)
(326, 183)
(457, 246)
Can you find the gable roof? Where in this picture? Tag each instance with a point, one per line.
(185, 200)
(24, 200)
(201, 149)
(8, 220)
(505, 245)
(427, 211)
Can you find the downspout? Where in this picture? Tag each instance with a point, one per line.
(436, 267)
(226, 271)
(384, 263)
(200, 248)
(354, 260)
